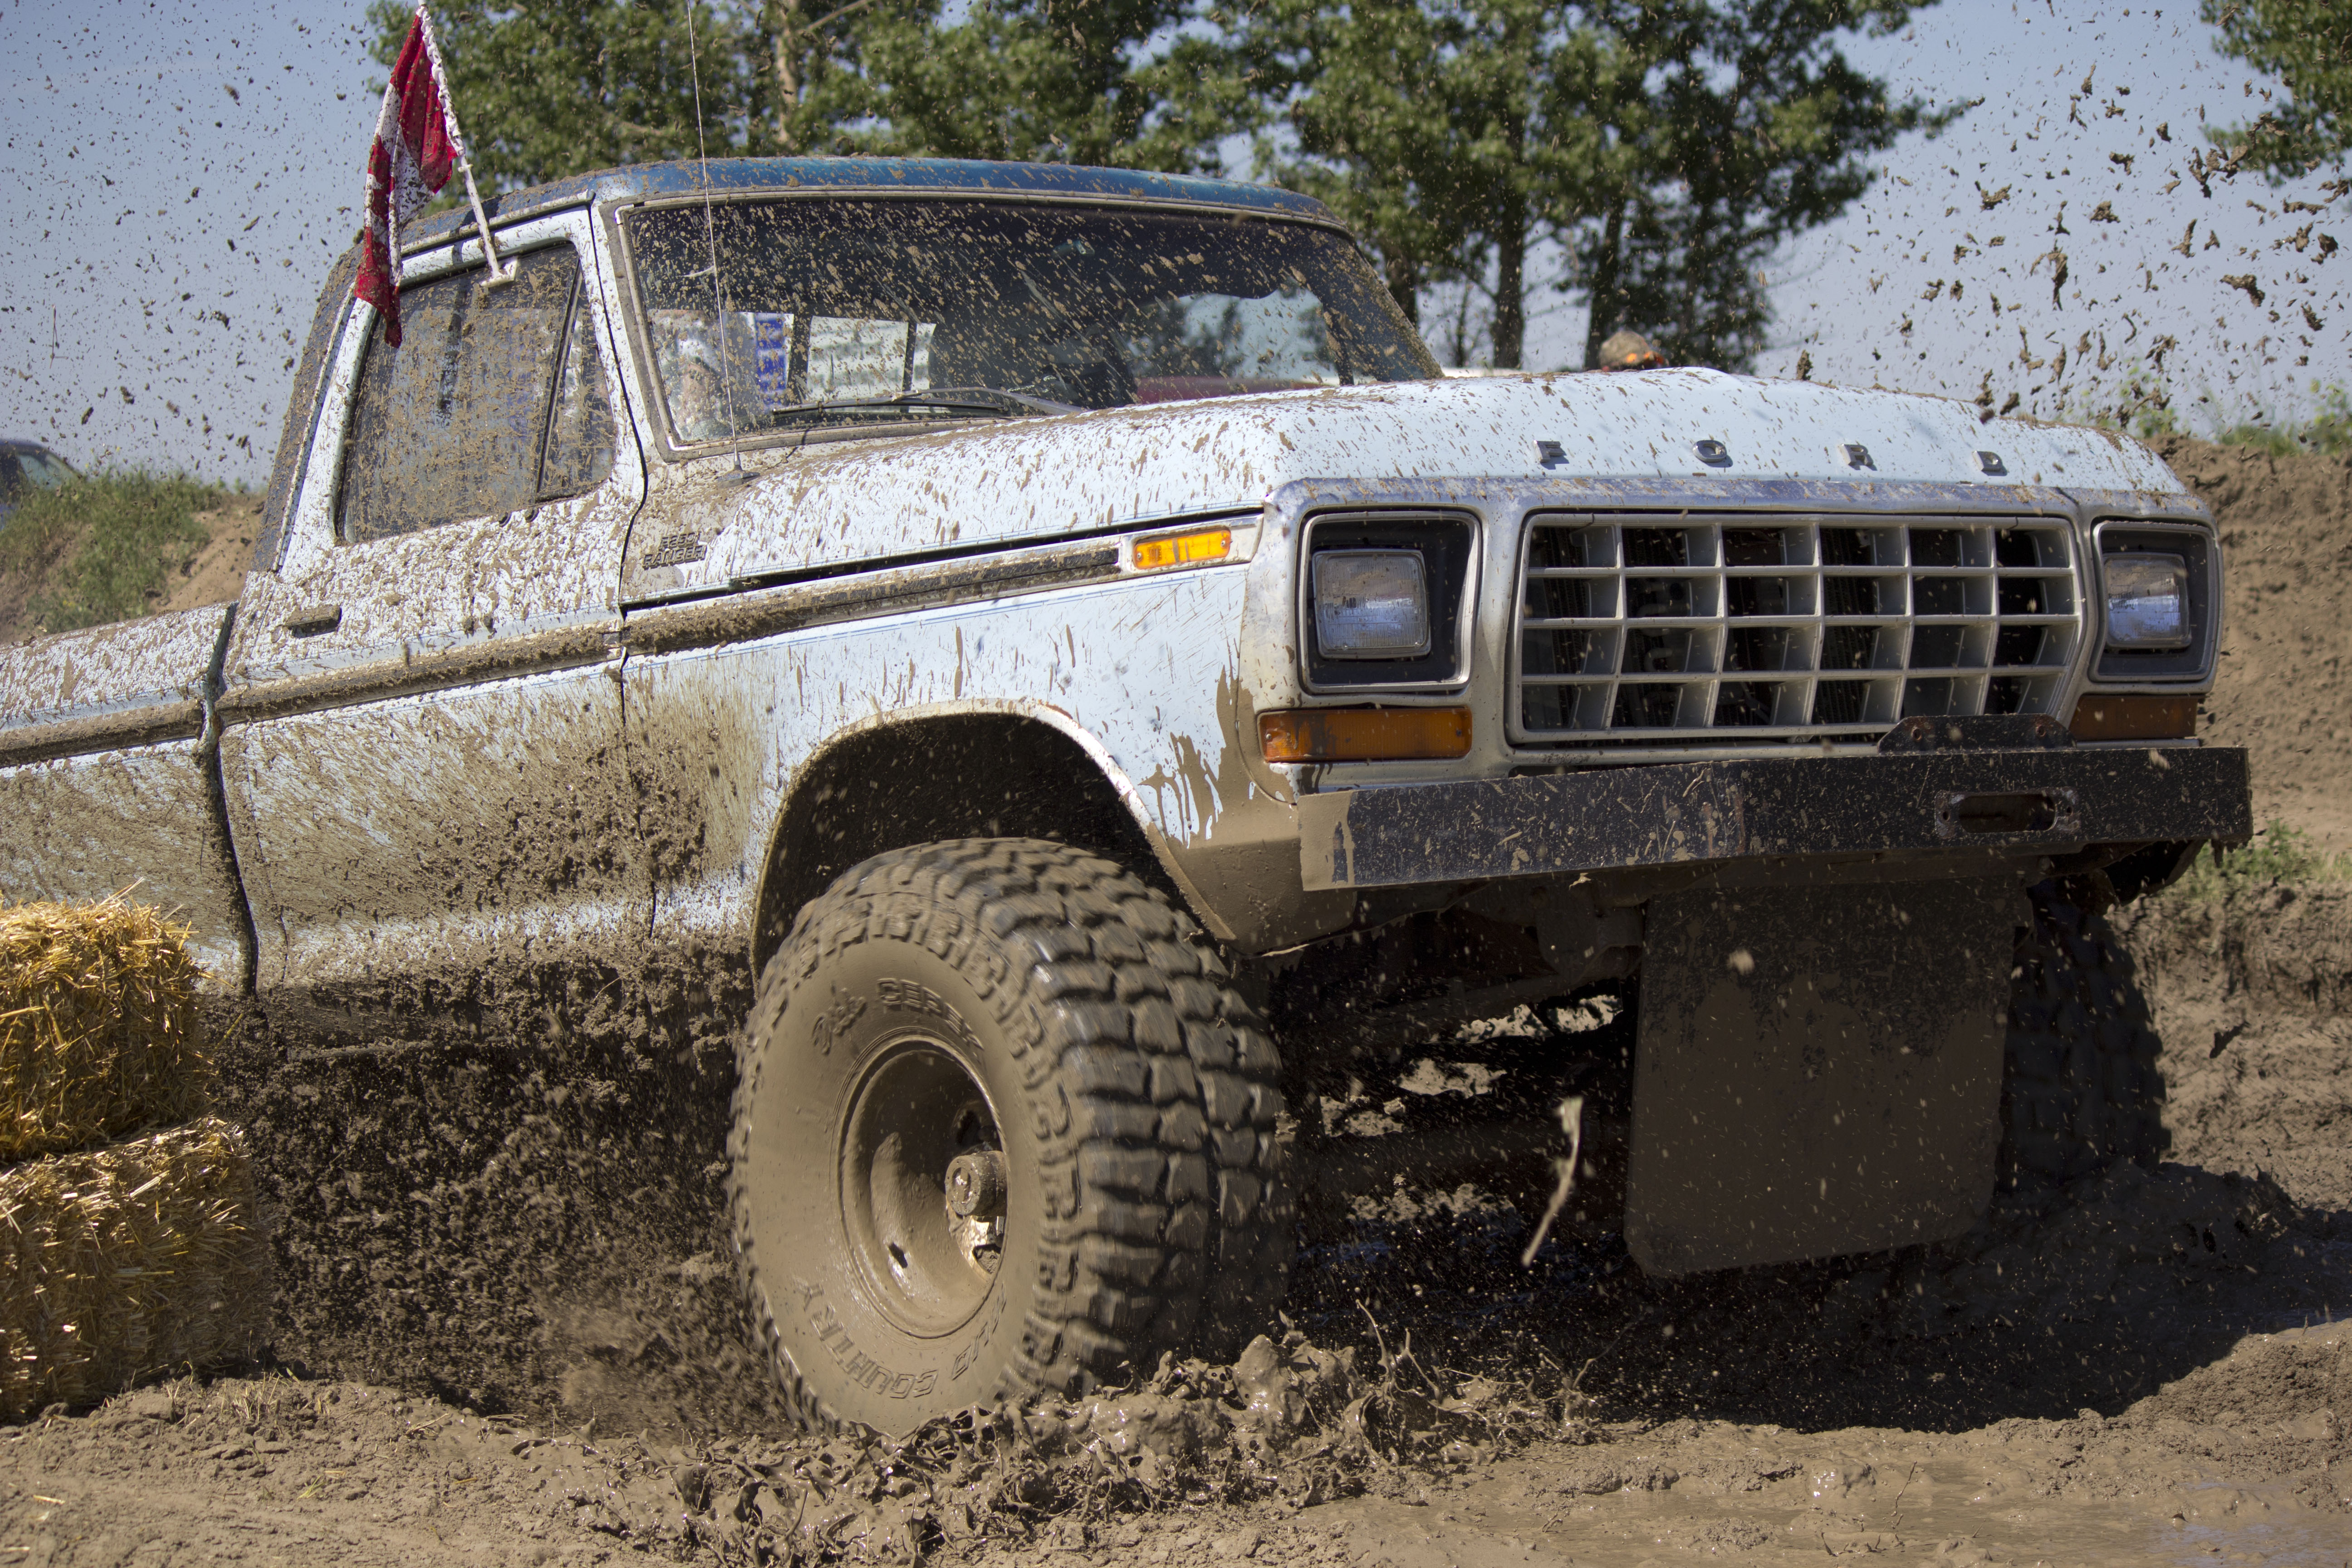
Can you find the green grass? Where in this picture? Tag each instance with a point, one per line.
(2143, 408)
(102, 547)
(2329, 432)
(2279, 854)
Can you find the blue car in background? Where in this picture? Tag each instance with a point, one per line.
(27, 465)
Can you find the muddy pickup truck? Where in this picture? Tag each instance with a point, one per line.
(1040, 663)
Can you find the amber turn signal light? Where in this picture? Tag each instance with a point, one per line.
(1196, 548)
(2098, 718)
(1364, 734)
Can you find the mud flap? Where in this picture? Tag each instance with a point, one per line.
(1817, 1070)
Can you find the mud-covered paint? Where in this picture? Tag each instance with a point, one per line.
(1238, 863)
(135, 820)
(432, 789)
(107, 777)
(76, 691)
(1001, 482)
(490, 825)
(717, 738)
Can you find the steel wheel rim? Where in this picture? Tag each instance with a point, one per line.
(918, 1106)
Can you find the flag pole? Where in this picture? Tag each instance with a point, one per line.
(456, 140)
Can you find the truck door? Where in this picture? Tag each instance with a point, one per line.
(421, 748)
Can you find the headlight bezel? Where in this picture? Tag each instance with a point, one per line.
(1447, 541)
(2192, 660)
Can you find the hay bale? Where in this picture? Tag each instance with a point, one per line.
(121, 1262)
(99, 1031)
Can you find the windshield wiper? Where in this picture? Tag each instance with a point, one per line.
(977, 401)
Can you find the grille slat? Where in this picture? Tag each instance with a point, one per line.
(1657, 630)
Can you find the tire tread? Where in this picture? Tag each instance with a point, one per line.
(1117, 1007)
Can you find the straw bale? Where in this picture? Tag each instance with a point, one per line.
(119, 1263)
(99, 1034)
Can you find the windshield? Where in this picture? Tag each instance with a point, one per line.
(849, 313)
(20, 468)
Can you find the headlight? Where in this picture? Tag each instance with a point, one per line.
(2159, 593)
(2147, 600)
(1371, 604)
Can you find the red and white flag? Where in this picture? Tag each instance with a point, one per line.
(416, 146)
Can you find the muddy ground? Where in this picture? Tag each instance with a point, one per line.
(2146, 1368)
(2150, 1370)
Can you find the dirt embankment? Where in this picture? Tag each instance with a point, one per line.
(215, 573)
(2252, 997)
(188, 571)
(2285, 686)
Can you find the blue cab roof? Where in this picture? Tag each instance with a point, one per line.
(739, 176)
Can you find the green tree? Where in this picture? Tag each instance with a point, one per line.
(1722, 131)
(811, 55)
(1667, 146)
(2307, 45)
(549, 90)
(1663, 147)
(1423, 127)
(552, 90)
(1105, 82)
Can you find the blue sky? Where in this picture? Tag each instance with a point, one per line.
(188, 172)
(1844, 293)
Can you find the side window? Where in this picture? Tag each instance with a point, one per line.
(494, 402)
(580, 429)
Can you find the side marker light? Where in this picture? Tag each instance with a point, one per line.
(1197, 547)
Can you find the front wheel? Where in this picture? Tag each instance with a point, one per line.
(1002, 1127)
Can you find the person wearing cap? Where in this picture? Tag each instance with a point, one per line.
(1628, 350)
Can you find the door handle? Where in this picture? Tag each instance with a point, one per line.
(313, 619)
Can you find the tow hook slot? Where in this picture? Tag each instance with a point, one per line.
(2007, 813)
(314, 620)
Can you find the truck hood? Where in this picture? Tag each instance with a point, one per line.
(871, 500)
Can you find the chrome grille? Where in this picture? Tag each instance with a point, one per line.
(1655, 628)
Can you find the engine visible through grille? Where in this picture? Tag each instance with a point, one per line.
(1647, 629)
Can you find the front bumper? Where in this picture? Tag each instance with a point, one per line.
(2009, 803)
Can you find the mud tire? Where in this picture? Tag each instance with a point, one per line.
(1134, 1097)
(2079, 1088)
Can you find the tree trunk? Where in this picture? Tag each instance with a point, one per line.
(1403, 278)
(788, 75)
(1509, 330)
(1605, 305)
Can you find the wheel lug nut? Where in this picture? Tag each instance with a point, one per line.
(975, 1184)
